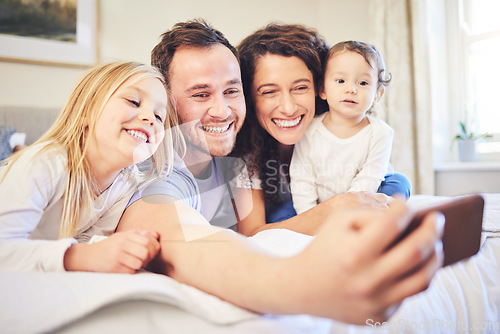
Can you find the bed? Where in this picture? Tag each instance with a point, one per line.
(462, 298)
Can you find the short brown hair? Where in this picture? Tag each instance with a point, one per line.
(195, 33)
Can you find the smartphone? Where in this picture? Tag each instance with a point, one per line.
(462, 229)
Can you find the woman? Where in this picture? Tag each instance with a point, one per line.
(282, 71)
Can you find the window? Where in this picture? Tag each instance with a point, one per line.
(480, 35)
(473, 82)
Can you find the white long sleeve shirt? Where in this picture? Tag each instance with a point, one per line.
(32, 195)
(324, 165)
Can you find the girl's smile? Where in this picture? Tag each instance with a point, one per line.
(131, 125)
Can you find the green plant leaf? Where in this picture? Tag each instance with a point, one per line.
(463, 130)
(464, 134)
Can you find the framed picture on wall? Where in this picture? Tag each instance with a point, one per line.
(57, 32)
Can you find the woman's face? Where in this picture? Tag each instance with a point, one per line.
(284, 96)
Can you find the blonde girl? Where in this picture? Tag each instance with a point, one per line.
(73, 183)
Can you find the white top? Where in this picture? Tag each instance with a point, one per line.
(32, 196)
(324, 165)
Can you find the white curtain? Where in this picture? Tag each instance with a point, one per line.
(400, 33)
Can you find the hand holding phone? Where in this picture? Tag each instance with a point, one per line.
(462, 230)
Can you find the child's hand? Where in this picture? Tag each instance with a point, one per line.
(122, 252)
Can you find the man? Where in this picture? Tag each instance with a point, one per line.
(211, 109)
(346, 273)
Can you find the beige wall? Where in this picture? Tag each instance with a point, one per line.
(130, 29)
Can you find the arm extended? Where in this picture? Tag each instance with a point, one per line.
(345, 273)
(308, 222)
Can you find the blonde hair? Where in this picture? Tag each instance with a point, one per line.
(76, 123)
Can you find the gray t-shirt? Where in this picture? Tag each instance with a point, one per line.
(211, 197)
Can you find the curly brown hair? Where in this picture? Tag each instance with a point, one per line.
(254, 144)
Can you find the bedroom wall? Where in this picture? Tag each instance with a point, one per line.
(129, 31)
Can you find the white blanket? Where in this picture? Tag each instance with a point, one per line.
(40, 302)
(466, 294)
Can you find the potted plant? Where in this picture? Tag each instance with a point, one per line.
(467, 142)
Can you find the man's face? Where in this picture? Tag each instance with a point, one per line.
(206, 85)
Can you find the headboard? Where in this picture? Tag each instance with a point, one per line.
(31, 120)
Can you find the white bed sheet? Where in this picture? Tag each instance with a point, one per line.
(463, 298)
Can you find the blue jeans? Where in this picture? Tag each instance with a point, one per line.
(395, 183)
